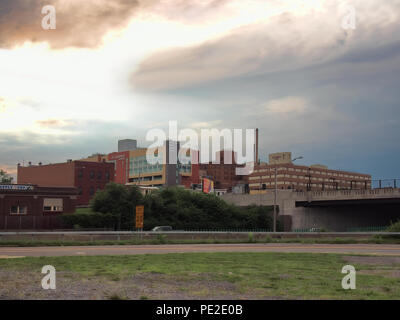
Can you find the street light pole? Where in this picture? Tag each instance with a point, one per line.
(276, 191)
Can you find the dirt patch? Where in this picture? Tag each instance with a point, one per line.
(70, 286)
(367, 260)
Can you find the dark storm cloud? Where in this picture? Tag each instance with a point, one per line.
(347, 81)
(83, 23)
(286, 42)
(79, 23)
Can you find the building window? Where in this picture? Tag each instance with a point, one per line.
(91, 191)
(91, 174)
(80, 191)
(107, 176)
(52, 205)
(99, 175)
(19, 209)
(80, 174)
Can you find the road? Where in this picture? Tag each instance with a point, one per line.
(375, 249)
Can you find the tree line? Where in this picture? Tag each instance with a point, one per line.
(114, 208)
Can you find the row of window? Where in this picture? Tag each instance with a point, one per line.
(145, 179)
(92, 190)
(300, 184)
(93, 175)
(139, 165)
(49, 205)
(334, 174)
(305, 178)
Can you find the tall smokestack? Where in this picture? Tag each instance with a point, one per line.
(256, 160)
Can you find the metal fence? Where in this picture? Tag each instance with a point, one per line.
(368, 229)
(385, 183)
(29, 222)
(226, 230)
(352, 229)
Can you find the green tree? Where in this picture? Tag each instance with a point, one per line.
(120, 202)
(186, 209)
(177, 207)
(4, 177)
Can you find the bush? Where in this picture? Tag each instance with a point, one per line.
(162, 239)
(251, 237)
(185, 210)
(88, 220)
(394, 227)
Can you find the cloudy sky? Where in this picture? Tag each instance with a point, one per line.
(115, 69)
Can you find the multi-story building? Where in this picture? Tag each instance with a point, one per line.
(120, 160)
(163, 166)
(127, 145)
(303, 178)
(87, 176)
(223, 173)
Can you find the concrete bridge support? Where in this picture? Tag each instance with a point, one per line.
(331, 210)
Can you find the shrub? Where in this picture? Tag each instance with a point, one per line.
(88, 220)
(394, 227)
(162, 238)
(251, 237)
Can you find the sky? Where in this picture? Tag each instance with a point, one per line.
(116, 69)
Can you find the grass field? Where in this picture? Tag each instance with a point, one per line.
(202, 276)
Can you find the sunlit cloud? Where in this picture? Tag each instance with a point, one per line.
(286, 105)
(114, 69)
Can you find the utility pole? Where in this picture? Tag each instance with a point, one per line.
(276, 191)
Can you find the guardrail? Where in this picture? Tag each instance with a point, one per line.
(188, 233)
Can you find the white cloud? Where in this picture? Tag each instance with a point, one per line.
(286, 105)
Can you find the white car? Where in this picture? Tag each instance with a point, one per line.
(162, 228)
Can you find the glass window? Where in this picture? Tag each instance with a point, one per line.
(53, 205)
(19, 209)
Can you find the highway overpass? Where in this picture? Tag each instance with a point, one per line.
(334, 210)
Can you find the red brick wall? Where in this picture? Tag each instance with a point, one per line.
(52, 175)
(121, 166)
(70, 174)
(35, 218)
(88, 183)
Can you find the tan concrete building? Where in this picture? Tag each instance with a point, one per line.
(303, 178)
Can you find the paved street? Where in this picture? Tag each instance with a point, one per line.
(10, 252)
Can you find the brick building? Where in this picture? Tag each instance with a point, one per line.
(131, 166)
(303, 178)
(33, 207)
(223, 174)
(86, 176)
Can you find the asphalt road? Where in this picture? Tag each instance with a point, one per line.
(375, 249)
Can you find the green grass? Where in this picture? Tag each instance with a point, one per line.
(162, 239)
(262, 275)
(83, 210)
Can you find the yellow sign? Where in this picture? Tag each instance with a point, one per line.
(139, 217)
